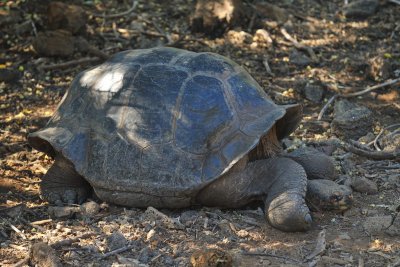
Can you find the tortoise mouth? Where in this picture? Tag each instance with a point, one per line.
(335, 202)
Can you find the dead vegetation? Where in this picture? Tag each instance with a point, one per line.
(317, 53)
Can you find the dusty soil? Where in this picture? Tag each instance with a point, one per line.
(349, 55)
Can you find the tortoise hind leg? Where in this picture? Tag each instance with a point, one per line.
(62, 184)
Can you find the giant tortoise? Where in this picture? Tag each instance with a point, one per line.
(170, 128)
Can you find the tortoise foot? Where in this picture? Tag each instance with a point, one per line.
(62, 184)
(288, 212)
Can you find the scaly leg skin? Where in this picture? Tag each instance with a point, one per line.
(317, 164)
(285, 204)
(62, 184)
(279, 182)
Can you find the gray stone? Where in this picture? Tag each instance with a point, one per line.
(313, 92)
(361, 9)
(377, 224)
(299, 59)
(351, 121)
(90, 208)
(116, 240)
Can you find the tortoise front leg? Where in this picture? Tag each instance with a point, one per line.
(62, 184)
(317, 164)
(279, 182)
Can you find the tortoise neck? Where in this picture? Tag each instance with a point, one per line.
(268, 147)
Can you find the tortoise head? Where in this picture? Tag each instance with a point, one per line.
(328, 195)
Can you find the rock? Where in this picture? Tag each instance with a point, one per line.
(313, 92)
(379, 68)
(90, 208)
(42, 255)
(299, 59)
(54, 43)
(361, 9)
(350, 120)
(211, 257)
(262, 36)
(213, 17)
(363, 185)
(72, 18)
(63, 212)
(188, 217)
(272, 12)
(377, 224)
(9, 75)
(239, 37)
(115, 240)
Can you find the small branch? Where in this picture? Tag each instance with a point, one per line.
(71, 63)
(22, 262)
(267, 68)
(67, 242)
(358, 149)
(41, 222)
(325, 107)
(18, 231)
(369, 89)
(117, 251)
(299, 45)
(320, 247)
(117, 15)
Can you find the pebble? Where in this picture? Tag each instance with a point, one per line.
(115, 240)
(351, 121)
(299, 59)
(361, 9)
(314, 92)
(364, 185)
(62, 212)
(90, 208)
(377, 224)
(211, 257)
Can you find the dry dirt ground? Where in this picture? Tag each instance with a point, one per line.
(346, 55)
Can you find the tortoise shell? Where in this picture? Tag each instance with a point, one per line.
(161, 121)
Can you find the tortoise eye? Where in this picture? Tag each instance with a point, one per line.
(336, 197)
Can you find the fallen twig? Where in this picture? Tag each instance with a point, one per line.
(369, 89)
(22, 262)
(357, 149)
(71, 63)
(325, 107)
(319, 247)
(18, 231)
(118, 250)
(117, 15)
(375, 141)
(299, 45)
(67, 242)
(267, 68)
(41, 222)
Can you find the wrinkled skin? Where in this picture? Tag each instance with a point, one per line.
(279, 182)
